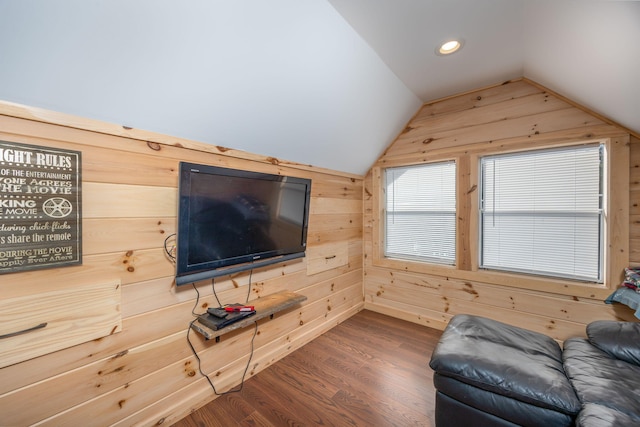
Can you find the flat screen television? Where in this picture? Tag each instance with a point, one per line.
(232, 220)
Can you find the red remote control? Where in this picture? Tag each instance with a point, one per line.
(240, 308)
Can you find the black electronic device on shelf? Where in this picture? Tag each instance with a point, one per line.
(232, 220)
(218, 318)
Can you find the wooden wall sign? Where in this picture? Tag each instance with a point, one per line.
(40, 207)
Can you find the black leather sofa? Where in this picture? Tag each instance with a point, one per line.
(488, 373)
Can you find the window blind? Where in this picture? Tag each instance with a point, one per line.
(541, 212)
(420, 212)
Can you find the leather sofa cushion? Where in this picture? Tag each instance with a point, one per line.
(593, 415)
(618, 339)
(505, 408)
(601, 379)
(453, 413)
(505, 360)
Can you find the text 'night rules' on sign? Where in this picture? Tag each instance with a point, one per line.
(40, 207)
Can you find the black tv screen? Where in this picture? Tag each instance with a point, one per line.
(230, 217)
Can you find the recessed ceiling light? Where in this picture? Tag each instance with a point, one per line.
(449, 47)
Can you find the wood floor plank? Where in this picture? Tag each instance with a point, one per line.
(255, 420)
(276, 406)
(237, 408)
(371, 370)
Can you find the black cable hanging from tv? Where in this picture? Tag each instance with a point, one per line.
(195, 353)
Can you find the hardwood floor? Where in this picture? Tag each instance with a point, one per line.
(371, 370)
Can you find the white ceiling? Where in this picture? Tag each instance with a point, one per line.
(406, 33)
(588, 51)
(328, 83)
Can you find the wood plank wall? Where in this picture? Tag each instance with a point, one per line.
(147, 374)
(515, 115)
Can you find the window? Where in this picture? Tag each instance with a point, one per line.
(420, 212)
(541, 212)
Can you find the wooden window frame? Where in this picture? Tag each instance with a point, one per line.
(616, 223)
(384, 218)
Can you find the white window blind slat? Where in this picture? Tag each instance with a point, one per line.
(541, 212)
(420, 208)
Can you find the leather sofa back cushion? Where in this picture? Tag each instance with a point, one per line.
(618, 339)
(505, 360)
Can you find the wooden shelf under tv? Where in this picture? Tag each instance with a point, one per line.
(265, 306)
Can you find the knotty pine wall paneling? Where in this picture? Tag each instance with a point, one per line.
(634, 196)
(146, 374)
(513, 116)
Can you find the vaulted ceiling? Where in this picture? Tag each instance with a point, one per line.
(327, 83)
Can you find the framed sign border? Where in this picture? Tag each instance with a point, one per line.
(77, 172)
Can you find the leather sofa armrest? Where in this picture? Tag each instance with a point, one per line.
(620, 340)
